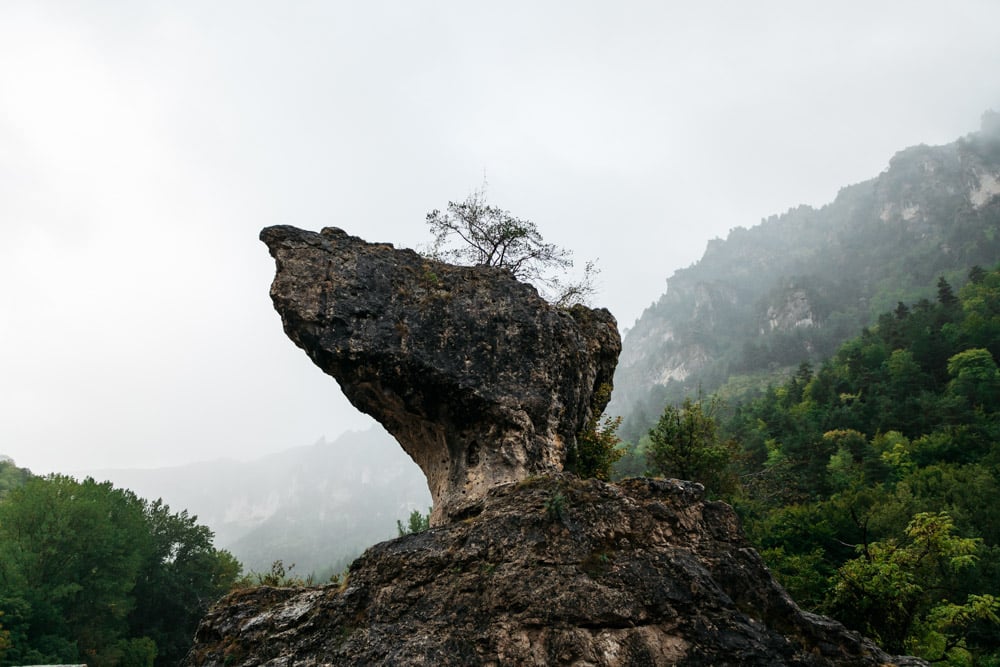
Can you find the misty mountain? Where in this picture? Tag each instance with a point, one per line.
(317, 506)
(795, 286)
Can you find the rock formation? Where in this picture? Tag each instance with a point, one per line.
(479, 379)
(485, 385)
(551, 571)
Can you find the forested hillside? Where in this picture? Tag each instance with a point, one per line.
(93, 573)
(871, 484)
(794, 287)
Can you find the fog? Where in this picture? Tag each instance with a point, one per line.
(143, 145)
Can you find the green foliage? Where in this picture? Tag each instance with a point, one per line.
(417, 523)
(4, 640)
(11, 477)
(280, 576)
(893, 445)
(139, 652)
(974, 377)
(685, 443)
(73, 551)
(805, 575)
(898, 593)
(597, 445)
(91, 572)
(182, 576)
(555, 506)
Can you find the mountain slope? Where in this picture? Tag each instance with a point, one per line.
(797, 285)
(317, 506)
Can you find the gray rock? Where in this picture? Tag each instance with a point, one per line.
(551, 571)
(480, 380)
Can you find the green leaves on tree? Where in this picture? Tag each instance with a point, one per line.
(417, 523)
(597, 445)
(899, 592)
(685, 443)
(91, 572)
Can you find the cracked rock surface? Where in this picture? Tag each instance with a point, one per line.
(551, 571)
(480, 380)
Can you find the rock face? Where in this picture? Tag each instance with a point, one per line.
(551, 571)
(479, 379)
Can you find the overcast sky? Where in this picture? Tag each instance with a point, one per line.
(144, 144)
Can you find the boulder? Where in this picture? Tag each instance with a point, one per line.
(552, 570)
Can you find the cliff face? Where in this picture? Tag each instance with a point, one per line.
(480, 380)
(548, 571)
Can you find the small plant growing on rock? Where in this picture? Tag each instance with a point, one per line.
(418, 523)
(431, 278)
(555, 506)
(597, 447)
(279, 576)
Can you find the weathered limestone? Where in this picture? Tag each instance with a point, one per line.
(479, 379)
(553, 571)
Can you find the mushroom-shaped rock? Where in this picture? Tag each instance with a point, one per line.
(481, 380)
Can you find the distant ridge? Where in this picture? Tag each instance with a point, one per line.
(316, 506)
(794, 287)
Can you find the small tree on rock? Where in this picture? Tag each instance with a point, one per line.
(474, 233)
(418, 523)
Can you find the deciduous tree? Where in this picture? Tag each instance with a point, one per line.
(900, 593)
(475, 233)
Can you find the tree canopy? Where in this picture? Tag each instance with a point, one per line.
(870, 486)
(685, 443)
(89, 572)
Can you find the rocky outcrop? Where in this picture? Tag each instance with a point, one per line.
(551, 571)
(480, 380)
(794, 311)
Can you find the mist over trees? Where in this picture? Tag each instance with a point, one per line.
(870, 485)
(797, 285)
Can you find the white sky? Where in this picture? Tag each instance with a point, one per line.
(144, 144)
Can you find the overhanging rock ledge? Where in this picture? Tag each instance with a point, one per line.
(481, 380)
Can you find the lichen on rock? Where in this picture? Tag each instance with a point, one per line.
(481, 380)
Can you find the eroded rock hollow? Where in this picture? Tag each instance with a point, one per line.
(480, 380)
